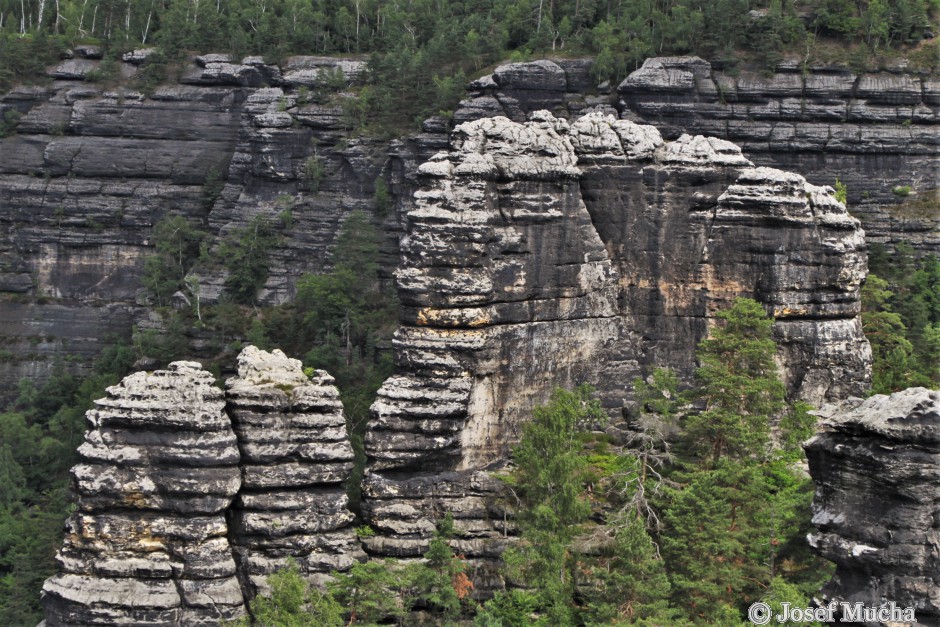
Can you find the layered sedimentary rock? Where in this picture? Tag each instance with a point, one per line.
(549, 254)
(295, 458)
(148, 544)
(876, 132)
(91, 169)
(876, 465)
(183, 512)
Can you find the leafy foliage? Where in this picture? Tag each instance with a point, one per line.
(901, 319)
(548, 480)
(39, 435)
(422, 52)
(739, 386)
(293, 602)
(176, 245)
(245, 253)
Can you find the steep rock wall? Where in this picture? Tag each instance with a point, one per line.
(295, 457)
(91, 169)
(876, 465)
(148, 543)
(549, 254)
(873, 131)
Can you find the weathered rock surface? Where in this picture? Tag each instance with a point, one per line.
(181, 518)
(295, 457)
(876, 465)
(874, 132)
(552, 253)
(148, 544)
(90, 171)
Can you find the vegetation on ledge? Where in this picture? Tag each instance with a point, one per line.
(421, 53)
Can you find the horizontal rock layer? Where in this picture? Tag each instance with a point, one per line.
(553, 253)
(295, 457)
(876, 466)
(875, 132)
(91, 169)
(181, 518)
(148, 544)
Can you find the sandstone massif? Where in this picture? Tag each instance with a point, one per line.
(189, 497)
(876, 466)
(554, 253)
(554, 232)
(92, 168)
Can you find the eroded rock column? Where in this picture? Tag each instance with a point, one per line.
(296, 457)
(876, 466)
(148, 544)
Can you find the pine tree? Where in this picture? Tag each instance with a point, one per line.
(548, 481)
(737, 501)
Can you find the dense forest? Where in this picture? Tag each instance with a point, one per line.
(421, 51)
(629, 529)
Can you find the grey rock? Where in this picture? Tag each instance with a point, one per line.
(204, 60)
(598, 239)
(310, 71)
(666, 75)
(138, 56)
(73, 69)
(207, 72)
(873, 132)
(295, 457)
(875, 464)
(527, 87)
(148, 544)
(88, 51)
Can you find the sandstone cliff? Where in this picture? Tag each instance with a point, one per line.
(181, 517)
(148, 543)
(552, 253)
(877, 505)
(91, 169)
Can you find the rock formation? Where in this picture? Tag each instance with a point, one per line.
(180, 518)
(148, 544)
(295, 457)
(552, 253)
(875, 132)
(90, 169)
(876, 465)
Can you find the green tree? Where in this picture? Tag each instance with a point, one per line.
(441, 582)
(549, 483)
(176, 248)
(735, 507)
(368, 592)
(738, 385)
(245, 252)
(293, 602)
(629, 581)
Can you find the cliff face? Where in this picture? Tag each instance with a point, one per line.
(875, 132)
(552, 253)
(148, 543)
(91, 170)
(181, 517)
(875, 465)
